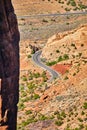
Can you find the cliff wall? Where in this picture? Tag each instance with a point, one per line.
(9, 66)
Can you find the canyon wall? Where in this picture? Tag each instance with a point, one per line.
(9, 66)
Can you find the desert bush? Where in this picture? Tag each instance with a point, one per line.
(42, 117)
(65, 57)
(79, 119)
(44, 20)
(28, 112)
(60, 59)
(59, 123)
(51, 63)
(82, 6)
(21, 105)
(57, 51)
(66, 78)
(29, 56)
(85, 105)
(73, 3)
(24, 78)
(35, 96)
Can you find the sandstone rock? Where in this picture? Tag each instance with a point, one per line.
(9, 66)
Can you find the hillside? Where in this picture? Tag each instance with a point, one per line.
(61, 104)
(71, 42)
(27, 7)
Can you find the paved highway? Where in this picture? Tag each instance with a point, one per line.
(56, 14)
(37, 60)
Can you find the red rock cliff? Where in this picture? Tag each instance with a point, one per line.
(9, 66)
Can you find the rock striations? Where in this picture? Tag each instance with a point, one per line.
(9, 66)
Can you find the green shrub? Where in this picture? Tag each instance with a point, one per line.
(66, 78)
(57, 51)
(36, 75)
(44, 20)
(28, 121)
(60, 59)
(36, 96)
(28, 112)
(32, 52)
(66, 9)
(76, 129)
(72, 2)
(44, 76)
(82, 6)
(24, 94)
(21, 87)
(51, 63)
(80, 54)
(85, 105)
(59, 123)
(63, 114)
(29, 56)
(24, 78)
(73, 44)
(31, 86)
(81, 126)
(21, 106)
(42, 117)
(65, 57)
(74, 74)
(67, 23)
(80, 120)
(86, 127)
(82, 113)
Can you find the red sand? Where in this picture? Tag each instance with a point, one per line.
(61, 68)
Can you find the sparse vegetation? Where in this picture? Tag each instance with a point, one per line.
(36, 94)
(59, 123)
(57, 51)
(51, 63)
(81, 6)
(85, 105)
(66, 78)
(28, 112)
(44, 20)
(29, 56)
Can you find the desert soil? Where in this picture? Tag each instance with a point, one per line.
(62, 104)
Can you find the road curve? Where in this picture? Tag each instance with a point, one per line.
(37, 60)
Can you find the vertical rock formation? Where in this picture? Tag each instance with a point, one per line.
(9, 66)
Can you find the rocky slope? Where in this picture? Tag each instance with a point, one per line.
(9, 66)
(62, 104)
(71, 43)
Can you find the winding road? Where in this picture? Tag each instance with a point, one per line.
(37, 60)
(36, 56)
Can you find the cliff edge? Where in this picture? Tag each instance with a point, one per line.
(9, 66)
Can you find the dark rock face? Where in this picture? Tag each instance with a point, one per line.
(9, 66)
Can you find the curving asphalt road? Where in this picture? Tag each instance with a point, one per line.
(37, 60)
